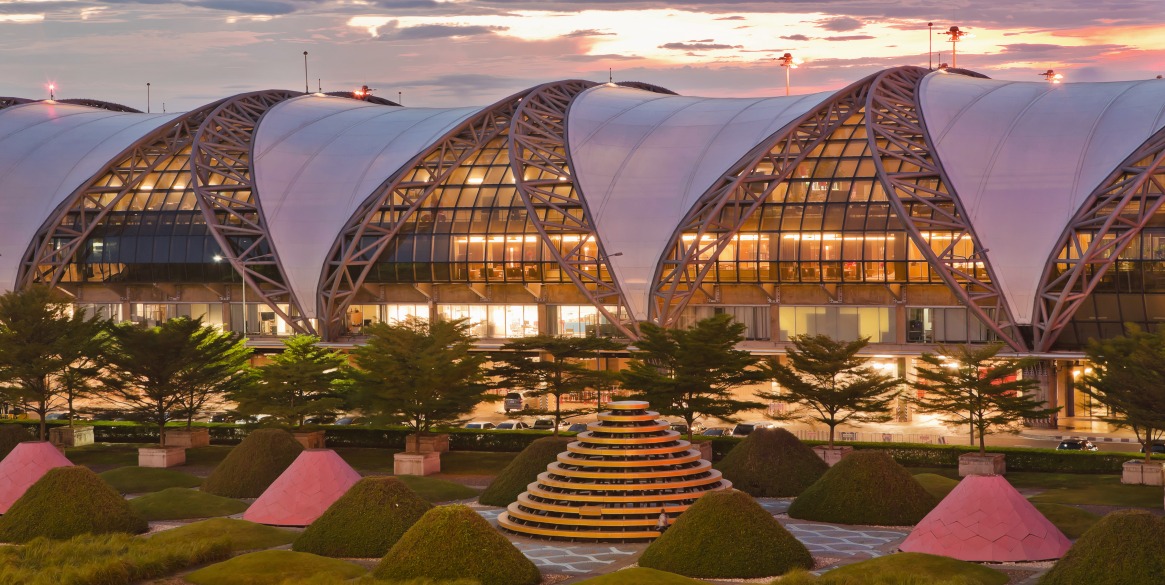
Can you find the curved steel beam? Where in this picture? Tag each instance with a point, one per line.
(378, 220)
(920, 193)
(224, 183)
(542, 175)
(1112, 217)
(724, 209)
(112, 107)
(6, 102)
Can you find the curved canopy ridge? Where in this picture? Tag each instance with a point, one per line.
(47, 151)
(643, 159)
(1012, 161)
(317, 159)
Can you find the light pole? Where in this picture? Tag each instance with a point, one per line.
(955, 36)
(147, 97)
(930, 46)
(788, 62)
(1052, 76)
(52, 88)
(218, 258)
(306, 88)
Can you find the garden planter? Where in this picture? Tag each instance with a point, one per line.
(705, 448)
(831, 455)
(427, 443)
(71, 436)
(416, 463)
(1137, 472)
(988, 464)
(187, 438)
(310, 439)
(167, 456)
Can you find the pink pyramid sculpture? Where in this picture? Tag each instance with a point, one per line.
(984, 519)
(313, 482)
(26, 464)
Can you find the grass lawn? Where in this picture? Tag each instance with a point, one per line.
(640, 576)
(182, 503)
(436, 490)
(207, 456)
(1074, 488)
(105, 558)
(902, 565)
(272, 567)
(452, 463)
(105, 455)
(242, 535)
(1072, 521)
(140, 480)
(936, 485)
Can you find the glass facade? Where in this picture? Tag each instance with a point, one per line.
(495, 321)
(580, 321)
(755, 319)
(839, 322)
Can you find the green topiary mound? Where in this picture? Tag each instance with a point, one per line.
(66, 502)
(1124, 547)
(726, 535)
(454, 542)
(866, 487)
(273, 567)
(365, 522)
(772, 463)
(184, 503)
(523, 470)
(254, 464)
(10, 436)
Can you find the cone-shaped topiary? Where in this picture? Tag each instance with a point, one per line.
(454, 542)
(726, 535)
(66, 502)
(365, 522)
(772, 463)
(253, 465)
(1124, 547)
(523, 470)
(866, 487)
(10, 436)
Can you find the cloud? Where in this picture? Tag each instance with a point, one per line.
(731, 18)
(801, 38)
(697, 46)
(840, 24)
(590, 32)
(437, 31)
(849, 38)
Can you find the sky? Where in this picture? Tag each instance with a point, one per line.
(444, 53)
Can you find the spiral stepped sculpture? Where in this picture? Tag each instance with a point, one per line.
(612, 484)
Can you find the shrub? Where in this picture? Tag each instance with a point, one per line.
(524, 469)
(66, 502)
(182, 503)
(239, 534)
(272, 567)
(772, 463)
(10, 436)
(911, 569)
(254, 464)
(640, 576)
(454, 542)
(1124, 547)
(139, 480)
(365, 522)
(866, 487)
(102, 559)
(726, 535)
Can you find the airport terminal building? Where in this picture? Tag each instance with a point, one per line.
(914, 207)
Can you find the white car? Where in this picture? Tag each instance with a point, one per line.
(512, 425)
(480, 425)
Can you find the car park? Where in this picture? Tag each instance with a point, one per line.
(743, 429)
(714, 432)
(1075, 445)
(480, 425)
(512, 425)
(543, 424)
(1158, 448)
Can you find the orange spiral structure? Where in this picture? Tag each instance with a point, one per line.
(614, 481)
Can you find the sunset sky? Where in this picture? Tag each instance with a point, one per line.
(468, 52)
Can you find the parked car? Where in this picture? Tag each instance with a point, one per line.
(1075, 445)
(512, 425)
(1157, 448)
(351, 420)
(679, 427)
(517, 401)
(320, 420)
(480, 425)
(744, 428)
(543, 424)
(577, 428)
(57, 416)
(714, 432)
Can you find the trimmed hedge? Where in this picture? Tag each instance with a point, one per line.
(239, 535)
(524, 469)
(772, 463)
(1124, 547)
(182, 503)
(10, 436)
(726, 535)
(866, 488)
(454, 542)
(252, 466)
(67, 502)
(272, 567)
(365, 522)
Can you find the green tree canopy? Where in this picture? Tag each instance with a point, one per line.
(562, 368)
(1128, 376)
(173, 369)
(691, 373)
(969, 385)
(832, 384)
(303, 380)
(421, 372)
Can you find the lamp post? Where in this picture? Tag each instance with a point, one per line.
(788, 62)
(52, 88)
(955, 36)
(930, 46)
(1052, 76)
(147, 97)
(306, 87)
(219, 258)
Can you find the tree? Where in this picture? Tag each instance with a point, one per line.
(303, 380)
(1128, 376)
(691, 373)
(970, 385)
(833, 384)
(561, 371)
(41, 339)
(172, 370)
(422, 372)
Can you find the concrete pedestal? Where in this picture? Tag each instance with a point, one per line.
(1138, 472)
(310, 439)
(71, 436)
(187, 438)
(988, 464)
(831, 455)
(161, 456)
(416, 463)
(705, 448)
(427, 443)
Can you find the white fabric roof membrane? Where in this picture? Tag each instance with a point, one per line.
(48, 150)
(643, 159)
(317, 158)
(1022, 158)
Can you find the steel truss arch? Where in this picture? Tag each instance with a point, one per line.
(100, 105)
(224, 184)
(919, 192)
(56, 243)
(362, 241)
(724, 209)
(542, 175)
(1112, 216)
(6, 102)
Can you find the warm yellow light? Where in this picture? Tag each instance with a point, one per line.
(475, 180)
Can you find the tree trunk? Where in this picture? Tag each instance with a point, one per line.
(982, 444)
(70, 399)
(831, 429)
(162, 432)
(42, 410)
(557, 413)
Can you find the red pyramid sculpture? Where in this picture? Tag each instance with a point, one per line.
(984, 519)
(313, 482)
(26, 464)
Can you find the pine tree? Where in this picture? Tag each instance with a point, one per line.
(303, 380)
(1128, 376)
(832, 383)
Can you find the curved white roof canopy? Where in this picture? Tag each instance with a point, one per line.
(1022, 158)
(318, 158)
(48, 150)
(643, 159)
